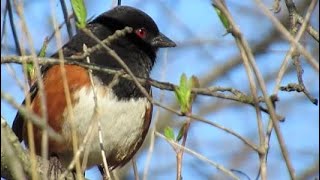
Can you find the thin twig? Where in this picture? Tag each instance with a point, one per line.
(284, 67)
(271, 109)
(276, 7)
(95, 117)
(13, 28)
(299, 88)
(199, 156)
(66, 18)
(59, 27)
(293, 53)
(86, 140)
(7, 146)
(209, 91)
(180, 151)
(311, 171)
(135, 168)
(295, 18)
(310, 59)
(41, 93)
(311, 30)
(155, 119)
(4, 22)
(102, 44)
(249, 67)
(151, 148)
(237, 34)
(67, 94)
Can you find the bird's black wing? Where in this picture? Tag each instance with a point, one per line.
(74, 46)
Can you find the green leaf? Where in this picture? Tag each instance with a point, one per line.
(183, 92)
(30, 66)
(222, 17)
(168, 133)
(43, 49)
(183, 81)
(80, 12)
(30, 72)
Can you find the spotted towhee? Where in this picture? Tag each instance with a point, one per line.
(125, 113)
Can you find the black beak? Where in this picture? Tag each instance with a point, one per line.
(161, 41)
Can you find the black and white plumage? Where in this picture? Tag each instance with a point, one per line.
(124, 112)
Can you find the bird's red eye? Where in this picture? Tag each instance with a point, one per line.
(141, 32)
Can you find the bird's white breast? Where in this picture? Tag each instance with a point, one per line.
(121, 122)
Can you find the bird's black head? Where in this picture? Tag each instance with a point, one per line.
(137, 49)
(145, 29)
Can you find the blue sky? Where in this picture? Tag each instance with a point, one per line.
(187, 21)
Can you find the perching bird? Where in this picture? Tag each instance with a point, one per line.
(125, 113)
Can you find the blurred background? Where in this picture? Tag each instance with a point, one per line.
(204, 51)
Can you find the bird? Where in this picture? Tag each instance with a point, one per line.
(125, 112)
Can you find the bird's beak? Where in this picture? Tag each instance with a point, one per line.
(161, 41)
